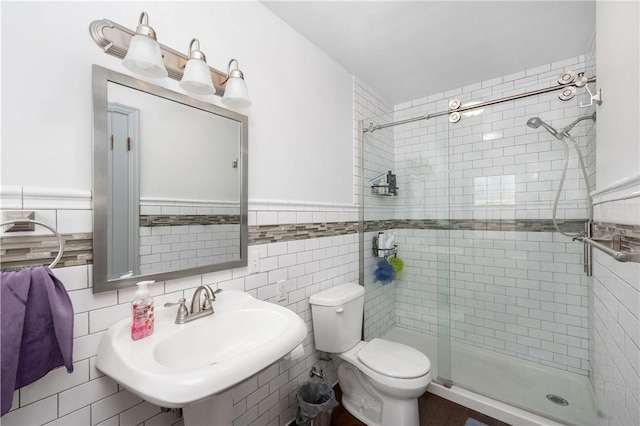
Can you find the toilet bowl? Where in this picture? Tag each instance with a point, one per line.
(380, 380)
(374, 393)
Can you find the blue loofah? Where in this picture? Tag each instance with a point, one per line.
(384, 272)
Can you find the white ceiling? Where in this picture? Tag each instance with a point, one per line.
(410, 49)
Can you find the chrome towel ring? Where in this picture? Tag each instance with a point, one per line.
(50, 228)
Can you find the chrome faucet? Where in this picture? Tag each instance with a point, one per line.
(197, 304)
(199, 308)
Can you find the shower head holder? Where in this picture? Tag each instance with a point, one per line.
(593, 97)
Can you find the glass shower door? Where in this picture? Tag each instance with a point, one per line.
(518, 294)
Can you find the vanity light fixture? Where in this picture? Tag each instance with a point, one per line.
(143, 55)
(236, 93)
(196, 77)
(118, 41)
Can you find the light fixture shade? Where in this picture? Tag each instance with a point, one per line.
(197, 76)
(144, 56)
(236, 93)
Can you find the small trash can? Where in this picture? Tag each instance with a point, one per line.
(316, 401)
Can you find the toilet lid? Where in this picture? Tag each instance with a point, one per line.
(394, 359)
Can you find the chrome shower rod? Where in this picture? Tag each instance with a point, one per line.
(372, 127)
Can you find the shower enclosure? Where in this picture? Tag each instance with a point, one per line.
(493, 288)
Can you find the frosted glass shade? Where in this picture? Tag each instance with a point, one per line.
(236, 93)
(144, 57)
(197, 78)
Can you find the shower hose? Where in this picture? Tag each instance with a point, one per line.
(562, 179)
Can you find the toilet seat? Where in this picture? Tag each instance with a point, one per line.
(394, 359)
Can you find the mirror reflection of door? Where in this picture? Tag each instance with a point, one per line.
(123, 191)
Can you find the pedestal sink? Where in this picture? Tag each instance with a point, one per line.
(193, 365)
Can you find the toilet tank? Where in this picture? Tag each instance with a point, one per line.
(337, 317)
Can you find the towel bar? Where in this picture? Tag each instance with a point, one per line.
(50, 228)
(608, 248)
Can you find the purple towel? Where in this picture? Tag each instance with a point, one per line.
(37, 328)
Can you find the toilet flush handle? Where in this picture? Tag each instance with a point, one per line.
(340, 310)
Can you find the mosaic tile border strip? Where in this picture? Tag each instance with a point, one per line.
(512, 225)
(263, 234)
(188, 219)
(21, 252)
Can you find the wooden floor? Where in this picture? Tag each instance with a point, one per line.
(434, 411)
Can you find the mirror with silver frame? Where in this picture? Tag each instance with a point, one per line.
(169, 184)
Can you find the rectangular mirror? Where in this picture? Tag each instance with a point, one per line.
(169, 184)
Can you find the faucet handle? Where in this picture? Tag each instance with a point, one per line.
(213, 294)
(182, 301)
(182, 313)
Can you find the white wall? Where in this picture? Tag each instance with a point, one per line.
(300, 171)
(617, 55)
(616, 353)
(300, 144)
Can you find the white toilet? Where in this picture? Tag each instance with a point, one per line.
(380, 380)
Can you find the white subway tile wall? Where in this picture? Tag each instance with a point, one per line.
(378, 148)
(380, 299)
(617, 340)
(522, 294)
(88, 397)
(264, 212)
(616, 324)
(167, 248)
(491, 165)
(379, 307)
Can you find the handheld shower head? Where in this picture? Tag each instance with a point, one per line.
(536, 122)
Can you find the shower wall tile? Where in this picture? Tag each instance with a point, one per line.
(494, 144)
(378, 159)
(508, 293)
(378, 149)
(380, 300)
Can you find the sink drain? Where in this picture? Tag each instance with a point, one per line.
(557, 399)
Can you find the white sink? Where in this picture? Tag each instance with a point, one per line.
(179, 365)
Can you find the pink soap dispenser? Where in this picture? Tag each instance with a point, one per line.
(142, 309)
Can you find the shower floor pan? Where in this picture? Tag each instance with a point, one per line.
(510, 389)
